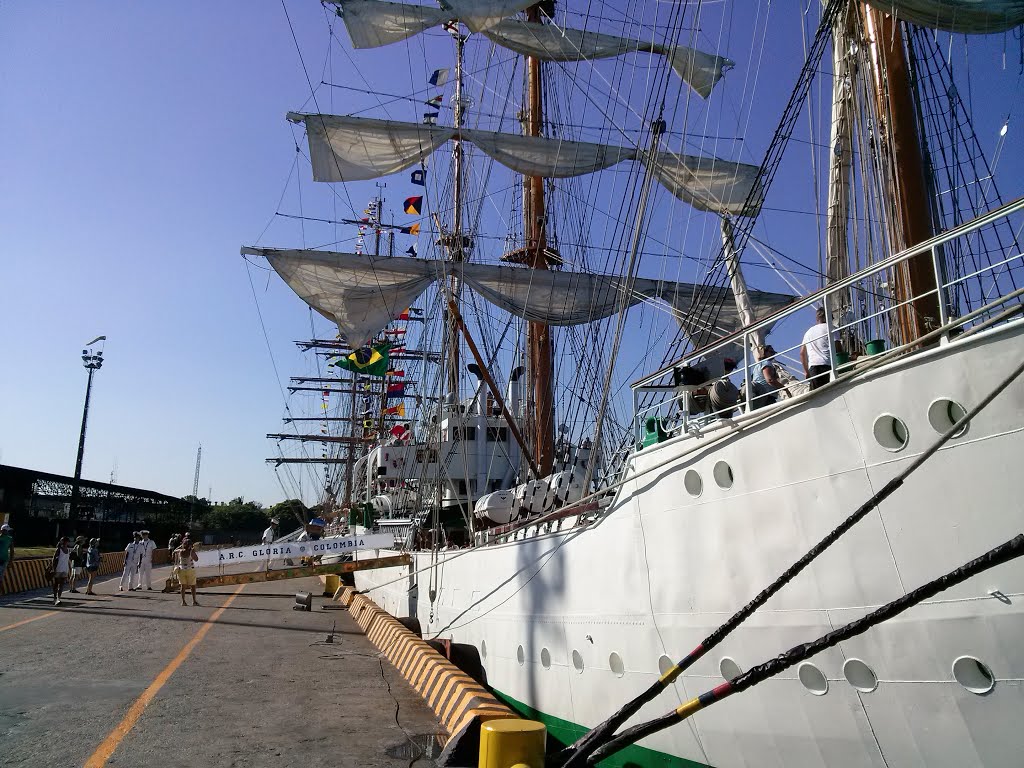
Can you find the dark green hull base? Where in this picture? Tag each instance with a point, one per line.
(561, 733)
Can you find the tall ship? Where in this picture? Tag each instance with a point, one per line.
(658, 323)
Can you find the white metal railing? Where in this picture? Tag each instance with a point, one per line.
(684, 409)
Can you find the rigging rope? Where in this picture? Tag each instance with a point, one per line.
(1009, 550)
(589, 742)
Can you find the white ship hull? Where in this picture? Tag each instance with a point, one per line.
(664, 568)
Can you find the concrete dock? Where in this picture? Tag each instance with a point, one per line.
(136, 679)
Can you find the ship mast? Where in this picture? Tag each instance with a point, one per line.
(539, 342)
(911, 223)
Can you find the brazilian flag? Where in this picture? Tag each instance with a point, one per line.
(369, 361)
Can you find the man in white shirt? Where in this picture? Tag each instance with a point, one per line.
(268, 538)
(816, 352)
(131, 562)
(146, 548)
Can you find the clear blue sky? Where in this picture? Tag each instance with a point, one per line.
(140, 145)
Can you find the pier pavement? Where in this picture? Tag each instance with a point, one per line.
(136, 679)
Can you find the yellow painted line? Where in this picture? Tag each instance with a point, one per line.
(106, 749)
(26, 621)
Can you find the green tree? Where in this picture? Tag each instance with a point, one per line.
(235, 516)
(291, 513)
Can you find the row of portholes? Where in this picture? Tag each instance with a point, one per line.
(974, 675)
(722, 473)
(892, 434)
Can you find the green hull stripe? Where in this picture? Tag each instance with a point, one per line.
(565, 733)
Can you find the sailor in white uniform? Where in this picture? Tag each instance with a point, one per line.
(131, 562)
(268, 538)
(146, 548)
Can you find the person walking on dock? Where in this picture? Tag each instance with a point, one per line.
(77, 563)
(131, 562)
(61, 565)
(185, 558)
(146, 549)
(92, 564)
(268, 538)
(6, 549)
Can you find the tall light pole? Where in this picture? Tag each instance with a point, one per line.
(92, 361)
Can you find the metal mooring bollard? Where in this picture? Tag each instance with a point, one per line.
(512, 743)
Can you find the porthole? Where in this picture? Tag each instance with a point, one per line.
(891, 433)
(616, 665)
(860, 675)
(812, 679)
(520, 655)
(665, 664)
(974, 675)
(545, 658)
(577, 661)
(729, 669)
(944, 413)
(692, 483)
(723, 475)
(483, 649)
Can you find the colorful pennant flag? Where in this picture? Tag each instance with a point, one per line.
(413, 204)
(430, 118)
(437, 101)
(395, 331)
(396, 391)
(397, 374)
(396, 410)
(413, 230)
(404, 315)
(368, 424)
(439, 78)
(411, 250)
(369, 361)
(419, 177)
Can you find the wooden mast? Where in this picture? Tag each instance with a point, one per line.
(912, 224)
(539, 342)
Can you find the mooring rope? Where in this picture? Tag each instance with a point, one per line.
(1005, 552)
(576, 754)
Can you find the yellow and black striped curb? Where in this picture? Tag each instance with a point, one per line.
(30, 573)
(460, 702)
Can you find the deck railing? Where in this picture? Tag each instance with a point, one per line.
(687, 408)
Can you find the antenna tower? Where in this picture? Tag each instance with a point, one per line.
(195, 485)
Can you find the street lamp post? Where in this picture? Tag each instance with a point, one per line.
(92, 361)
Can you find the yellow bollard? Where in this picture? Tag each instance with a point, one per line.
(512, 743)
(333, 582)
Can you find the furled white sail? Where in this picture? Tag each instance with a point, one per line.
(973, 17)
(708, 183)
(362, 294)
(360, 148)
(371, 23)
(553, 43)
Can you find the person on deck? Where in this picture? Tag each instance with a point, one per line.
(146, 550)
(131, 563)
(185, 557)
(6, 549)
(816, 352)
(92, 564)
(764, 378)
(61, 565)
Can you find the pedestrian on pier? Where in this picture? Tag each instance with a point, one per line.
(77, 562)
(61, 565)
(146, 549)
(6, 549)
(92, 564)
(131, 563)
(185, 557)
